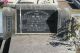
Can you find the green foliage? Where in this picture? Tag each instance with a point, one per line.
(1, 4)
(71, 31)
(77, 26)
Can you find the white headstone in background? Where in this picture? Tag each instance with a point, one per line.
(34, 1)
(1, 0)
(1, 23)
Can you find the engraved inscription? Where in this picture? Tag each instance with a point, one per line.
(35, 21)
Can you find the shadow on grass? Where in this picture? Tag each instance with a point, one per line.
(6, 46)
(1, 42)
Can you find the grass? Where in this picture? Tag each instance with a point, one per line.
(75, 11)
(0, 9)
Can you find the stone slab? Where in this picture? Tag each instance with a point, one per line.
(35, 44)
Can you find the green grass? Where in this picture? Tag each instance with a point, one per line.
(0, 9)
(76, 11)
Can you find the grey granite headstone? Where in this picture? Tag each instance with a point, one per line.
(37, 20)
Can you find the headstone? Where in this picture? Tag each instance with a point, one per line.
(36, 18)
(1, 22)
(37, 21)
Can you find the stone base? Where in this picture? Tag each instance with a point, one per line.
(35, 44)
